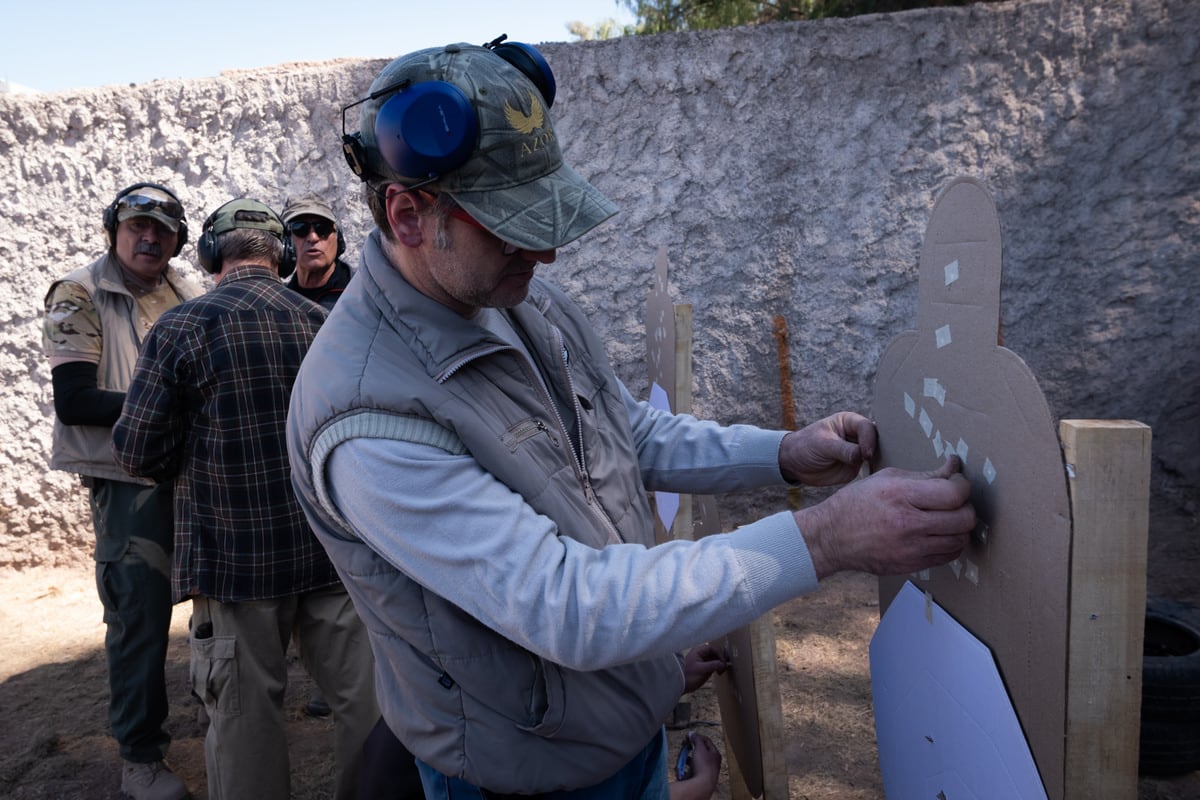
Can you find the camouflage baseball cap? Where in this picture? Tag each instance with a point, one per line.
(311, 204)
(149, 201)
(514, 182)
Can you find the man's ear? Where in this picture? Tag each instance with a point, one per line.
(404, 218)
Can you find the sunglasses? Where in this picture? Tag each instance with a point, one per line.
(506, 249)
(144, 205)
(323, 227)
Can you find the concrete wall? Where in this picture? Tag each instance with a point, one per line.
(788, 169)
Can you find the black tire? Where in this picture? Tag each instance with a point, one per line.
(1171, 663)
(1168, 748)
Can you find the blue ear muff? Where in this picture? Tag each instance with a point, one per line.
(532, 64)
(427, 129)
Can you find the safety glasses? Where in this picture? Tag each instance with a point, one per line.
(323, 227)
(145, 205)
(506, 249)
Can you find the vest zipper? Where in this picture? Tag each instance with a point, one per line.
(585, 478)
(474, 354)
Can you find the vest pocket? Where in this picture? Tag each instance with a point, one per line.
(525, 430)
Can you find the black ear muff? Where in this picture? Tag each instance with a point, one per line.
(352, 149)
(207, 251)
(240, 213)
(531, 63)
(426, 129)
(110, 215)
(287, 264)
(341, 243)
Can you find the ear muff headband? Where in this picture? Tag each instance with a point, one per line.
(532, 64)
(429, 128)
(110, 215)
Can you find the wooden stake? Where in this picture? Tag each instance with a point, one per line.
(681, 528)
(1108, 469)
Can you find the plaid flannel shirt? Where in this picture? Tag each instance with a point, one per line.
(207, 407)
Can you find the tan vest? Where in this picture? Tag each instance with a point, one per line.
(87, 449)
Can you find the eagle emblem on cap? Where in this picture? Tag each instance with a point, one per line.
(522, 122)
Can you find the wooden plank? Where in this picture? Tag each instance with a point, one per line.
(752, 714)
(770, 708)
(682, 404)
(1108, 469)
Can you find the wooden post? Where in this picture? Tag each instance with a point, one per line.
(682, 526)
(1108, 470)
(770, 708)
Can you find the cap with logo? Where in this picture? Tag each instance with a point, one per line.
(310, 204)
(503, 164)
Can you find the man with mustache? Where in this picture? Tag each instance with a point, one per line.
(95, 320)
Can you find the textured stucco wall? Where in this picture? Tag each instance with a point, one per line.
(788, 169)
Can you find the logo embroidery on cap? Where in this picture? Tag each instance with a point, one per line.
(522, 122)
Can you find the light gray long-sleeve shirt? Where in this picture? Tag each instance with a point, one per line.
(575, 605)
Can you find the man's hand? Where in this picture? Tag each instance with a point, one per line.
(891, 523)
(828, 452)
(701, 780)
(700, 663)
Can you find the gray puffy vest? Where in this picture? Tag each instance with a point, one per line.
(392, 363)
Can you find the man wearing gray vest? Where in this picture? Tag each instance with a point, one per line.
(478, 474)
(96, 318)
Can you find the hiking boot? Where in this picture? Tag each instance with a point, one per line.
(152, 781)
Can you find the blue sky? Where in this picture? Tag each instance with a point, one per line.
(52, 45)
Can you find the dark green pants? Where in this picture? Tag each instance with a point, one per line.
(135, 535)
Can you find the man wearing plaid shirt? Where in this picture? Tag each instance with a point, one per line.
(207, 407)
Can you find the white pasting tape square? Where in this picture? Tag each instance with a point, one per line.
(942, 335)
(938, 447)
(951, 271)
(989, 471)
(962, 450)
(926, 423)
(934, 389)
(910, 405)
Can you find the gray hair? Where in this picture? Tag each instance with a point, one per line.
(250, 244)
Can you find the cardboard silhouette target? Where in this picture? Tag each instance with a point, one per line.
(950, 388)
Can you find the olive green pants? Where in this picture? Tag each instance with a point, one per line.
(135, 534)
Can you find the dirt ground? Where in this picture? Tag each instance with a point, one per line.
(53, 696)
